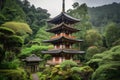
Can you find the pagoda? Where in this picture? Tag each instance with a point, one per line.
(63, 39)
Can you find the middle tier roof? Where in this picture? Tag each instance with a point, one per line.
(61, 40)
(62, 27)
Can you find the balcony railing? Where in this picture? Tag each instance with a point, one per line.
(63, 34)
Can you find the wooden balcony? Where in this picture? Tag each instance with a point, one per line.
(50, 62)
(63, 34)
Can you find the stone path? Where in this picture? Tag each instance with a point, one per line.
(35, 76)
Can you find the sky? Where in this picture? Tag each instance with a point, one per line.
(54, 7)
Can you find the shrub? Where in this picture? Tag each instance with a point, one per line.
(91, 51)
(68, 63)
(17, 74)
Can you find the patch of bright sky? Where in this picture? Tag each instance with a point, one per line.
(54, 7)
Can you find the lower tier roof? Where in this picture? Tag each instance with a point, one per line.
(59, 51)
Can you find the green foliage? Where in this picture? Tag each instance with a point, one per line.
(71, 71)
(35, 17)
(91, 51)
(18, 27)
(6, 31)
(93, 38)
(15, 74)
(102, 15)
(7, 39)
(68, 63)
(84, 71)
(12, 12)
(117, 42)
(112, 34)
(22, 11)
(108, 71)
(81, 12)
(10, 65)
(16, 40)
(35, 49)
(105, 64)
(41, 35)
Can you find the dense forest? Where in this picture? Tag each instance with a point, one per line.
(22, 30)
(100, 16)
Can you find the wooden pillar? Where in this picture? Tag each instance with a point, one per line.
(53, 59)
(55, 47)
(60, 46)
(60, 59)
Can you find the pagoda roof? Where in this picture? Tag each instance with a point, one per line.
(63, 17)
(61, 39)
(62, 26)
(59, 51)
(32, 58)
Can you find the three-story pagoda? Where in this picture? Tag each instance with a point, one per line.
(63, 39)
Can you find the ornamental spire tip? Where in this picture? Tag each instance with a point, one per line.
(63, 6)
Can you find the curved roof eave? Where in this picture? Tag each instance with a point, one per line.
(64, 16)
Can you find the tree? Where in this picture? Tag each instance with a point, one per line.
(10, 7)
(112, 34)
(91, 51)
(7, 39)
(84, 72)
(106, 64)
(103, 15)
(93, 38)
(21, 29)
(75, 5)
(81, 12)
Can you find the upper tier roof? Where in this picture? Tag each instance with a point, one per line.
(62, 27)
(62, 39)
(63, 17)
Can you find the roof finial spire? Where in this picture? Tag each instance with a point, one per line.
(63, 6)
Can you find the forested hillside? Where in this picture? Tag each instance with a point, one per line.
(23, 11)
(102, 15)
